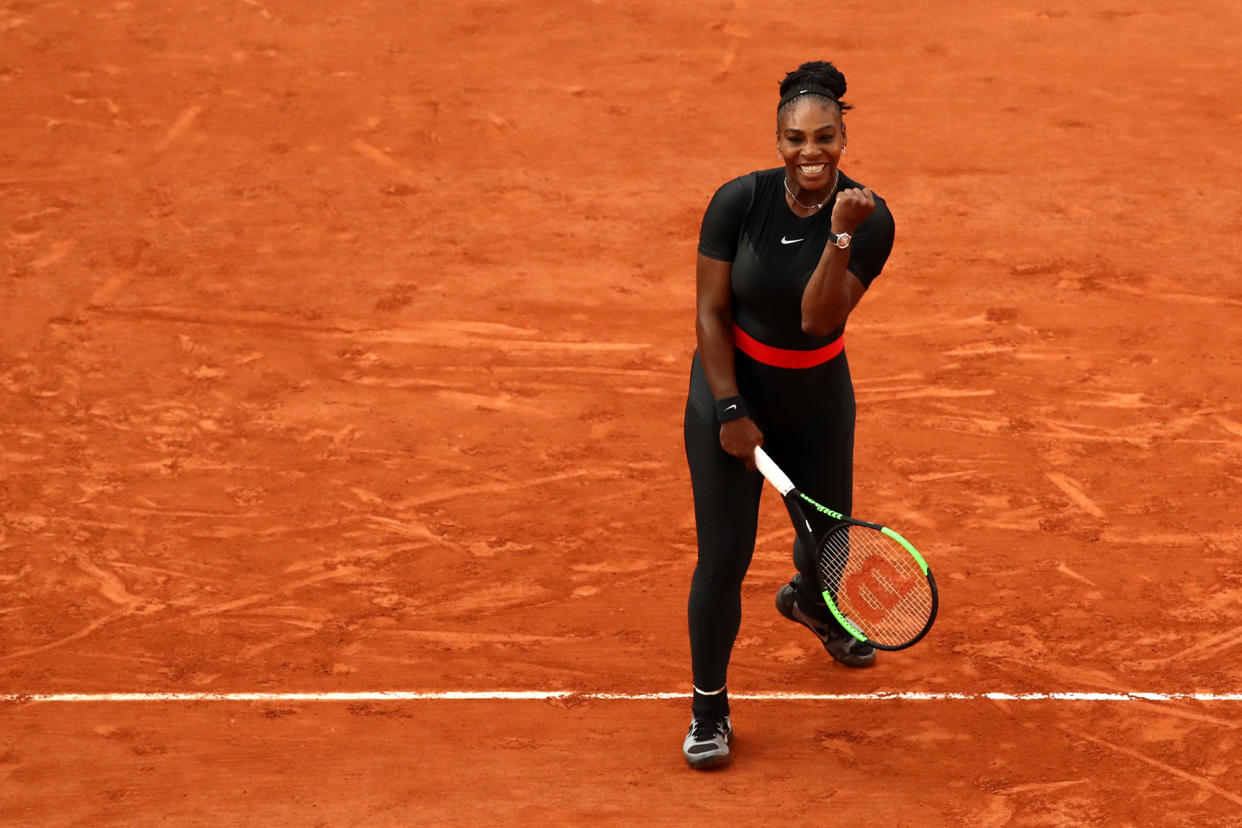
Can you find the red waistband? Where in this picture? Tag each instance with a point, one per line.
(783, 357)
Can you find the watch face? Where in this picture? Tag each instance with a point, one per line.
(843, 240)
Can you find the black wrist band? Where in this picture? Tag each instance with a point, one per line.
(731, 408)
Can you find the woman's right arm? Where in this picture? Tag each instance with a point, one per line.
(714, 328)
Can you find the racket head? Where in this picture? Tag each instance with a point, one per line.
(876, 584)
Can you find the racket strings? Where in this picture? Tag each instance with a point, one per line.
(876, 584)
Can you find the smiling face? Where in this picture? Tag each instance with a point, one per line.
(810, 137)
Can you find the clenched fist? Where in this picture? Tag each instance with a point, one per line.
(852, 206)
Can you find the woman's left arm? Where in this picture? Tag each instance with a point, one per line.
(833, 291)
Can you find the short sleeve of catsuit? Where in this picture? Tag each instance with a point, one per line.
(872, 243)
(722, 221)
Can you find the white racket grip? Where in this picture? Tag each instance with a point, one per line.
(772, 472)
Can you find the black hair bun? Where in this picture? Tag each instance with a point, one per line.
(815, 73)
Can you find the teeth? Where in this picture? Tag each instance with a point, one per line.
(812, 169)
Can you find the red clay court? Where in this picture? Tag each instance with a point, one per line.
(344, 348)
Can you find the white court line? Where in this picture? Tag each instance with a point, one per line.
(548, 695)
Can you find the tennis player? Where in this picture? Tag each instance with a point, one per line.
(784, 255)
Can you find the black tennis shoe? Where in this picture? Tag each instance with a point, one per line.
(707, 743)
(842, 646)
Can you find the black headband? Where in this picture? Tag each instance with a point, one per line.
(811, 89)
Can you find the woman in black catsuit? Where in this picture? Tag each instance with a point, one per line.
(784, 256)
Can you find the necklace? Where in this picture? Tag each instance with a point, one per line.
(832, 191)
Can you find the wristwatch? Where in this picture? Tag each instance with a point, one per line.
(841, 240)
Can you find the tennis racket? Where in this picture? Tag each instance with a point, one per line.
(874, 581)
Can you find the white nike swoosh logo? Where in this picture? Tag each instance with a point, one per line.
(730, 408)
(791, 241)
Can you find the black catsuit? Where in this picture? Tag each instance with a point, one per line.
(806, 415)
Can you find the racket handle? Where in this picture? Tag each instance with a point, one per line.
(772, 472)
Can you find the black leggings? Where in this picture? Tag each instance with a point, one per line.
(807, 420)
